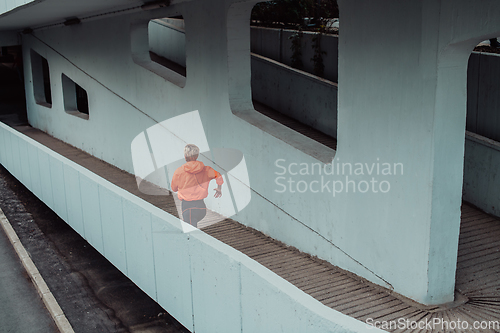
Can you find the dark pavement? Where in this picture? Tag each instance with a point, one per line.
(21, 308)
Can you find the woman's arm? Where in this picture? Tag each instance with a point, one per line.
(218, 191)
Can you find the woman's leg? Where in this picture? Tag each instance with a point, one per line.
(193, 211)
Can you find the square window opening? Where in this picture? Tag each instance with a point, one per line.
(167, 43)
(285, 62)
(75, 98)
(270, 93)
(41, 80)
(159, 45)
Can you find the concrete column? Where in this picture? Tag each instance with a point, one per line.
(238, 38)
(402, 96)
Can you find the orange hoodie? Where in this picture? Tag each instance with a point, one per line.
(192, 179)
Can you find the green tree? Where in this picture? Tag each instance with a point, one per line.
(291, 13)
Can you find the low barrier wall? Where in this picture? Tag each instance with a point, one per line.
(298, 94)
(483, 99)
(276, 45)
(205, 284)
(276, 84)
(481, 173)
(302, 96)
(167, 39)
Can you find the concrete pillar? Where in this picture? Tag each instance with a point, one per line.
(402, 96)
(238, 40)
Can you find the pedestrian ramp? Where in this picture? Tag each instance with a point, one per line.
(232, 271)
(205, 284)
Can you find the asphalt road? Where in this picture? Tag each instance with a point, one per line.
(21, 308)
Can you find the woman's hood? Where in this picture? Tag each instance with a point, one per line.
(193, 167)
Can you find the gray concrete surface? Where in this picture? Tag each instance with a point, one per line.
(21, 308)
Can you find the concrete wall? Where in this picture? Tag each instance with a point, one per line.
(302, 96)
(205, 284)
(410, 107)
(481, 167)
(276, 44)
(483, 100)
(387, 208)
(482, 75)
(482, 149)
(126, 98)
(167, 39)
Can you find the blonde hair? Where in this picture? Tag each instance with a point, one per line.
(191, 152)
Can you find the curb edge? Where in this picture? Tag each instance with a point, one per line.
(43, 290)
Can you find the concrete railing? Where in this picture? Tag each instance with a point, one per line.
(205, 284)
(167, 39)
(482, 147)
(481, 173)
(298, 94)
(313, 101)
(302, 96)
(276, 45)
(483, 99)
(285, 88)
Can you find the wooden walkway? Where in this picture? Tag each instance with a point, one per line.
(478, 279)
(478, 269)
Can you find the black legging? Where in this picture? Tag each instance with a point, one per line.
(193, 211)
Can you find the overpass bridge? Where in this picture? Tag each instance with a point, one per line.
(477, 286)
(91, 82)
